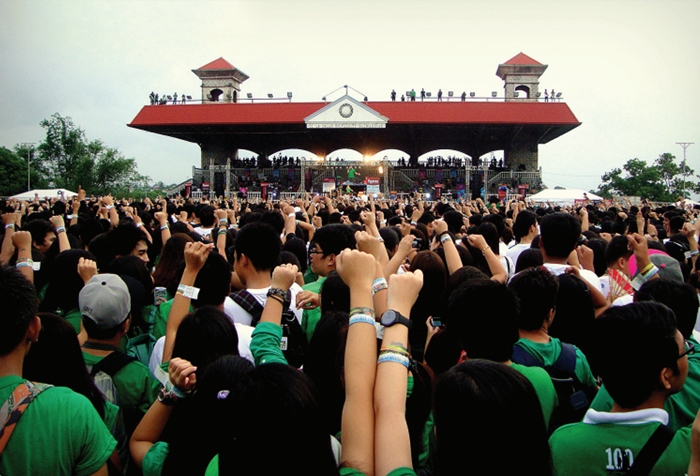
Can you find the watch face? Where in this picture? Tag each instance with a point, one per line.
(389, 318)
(345, 110)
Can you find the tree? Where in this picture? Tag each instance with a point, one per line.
(675, 177)
(13, 170)
(67, 160)
(663, 181)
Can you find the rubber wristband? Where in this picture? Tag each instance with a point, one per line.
(139, 224)
(9, 225)
(362, 310)
(164, 227)
(60, 229)
(366, 318)
(405, 361)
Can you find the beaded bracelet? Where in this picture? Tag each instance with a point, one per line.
(362, 310)
(366, 318)
(276, 298)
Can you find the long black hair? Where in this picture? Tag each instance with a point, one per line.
(56, 358)
(478, 403)
(271, 424)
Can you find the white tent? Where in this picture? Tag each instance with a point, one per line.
(44, 193)
(564, 197)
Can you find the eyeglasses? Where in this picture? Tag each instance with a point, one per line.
(689, 349)
(315, 252)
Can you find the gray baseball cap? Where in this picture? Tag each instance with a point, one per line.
(105, 300)
(669, 267)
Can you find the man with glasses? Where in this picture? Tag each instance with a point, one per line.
(643, 360)
(328, 242)
(682, 299)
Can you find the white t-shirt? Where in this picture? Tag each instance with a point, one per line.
(508, 265)
(514, 251)
(245, 336)
(241, 316)
(590, 276)
(204, 232)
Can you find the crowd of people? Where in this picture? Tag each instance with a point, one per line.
(158, 100)
(329, 336)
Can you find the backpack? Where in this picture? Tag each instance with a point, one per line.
(102, 372)
(140, 347)
(293, 343)
(573, 401)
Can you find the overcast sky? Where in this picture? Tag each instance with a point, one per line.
(628, 69)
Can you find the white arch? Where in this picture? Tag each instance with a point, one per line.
(444, 153)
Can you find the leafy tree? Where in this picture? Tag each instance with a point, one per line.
(66, 159)
(13, 170)
(663, 181)
(677, 178)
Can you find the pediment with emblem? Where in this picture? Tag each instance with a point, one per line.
(346, 113)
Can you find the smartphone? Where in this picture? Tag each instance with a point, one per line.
(417, 242)
(436, 322)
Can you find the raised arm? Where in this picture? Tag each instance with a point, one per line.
(454, 262)
(8, 249)
(183, 377)
(196, 255)
(22, 241)
(405, 249)
(60, 229)
(498, 272)
(392, 441)
(360, 363)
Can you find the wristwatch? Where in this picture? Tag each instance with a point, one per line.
(391, 317)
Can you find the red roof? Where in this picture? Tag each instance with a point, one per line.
(218, 64)
(454, 112)
(522, 58)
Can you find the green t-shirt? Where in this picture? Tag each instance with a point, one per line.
(607, 445)
(548, 354)
(160, 322)
(74, 317)
(544, 387)
(60, 433)
(153, 461)
(310, 317)
(136, 388)
(681, 407)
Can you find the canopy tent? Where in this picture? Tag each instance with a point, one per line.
(44, 193)
(568, 196)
